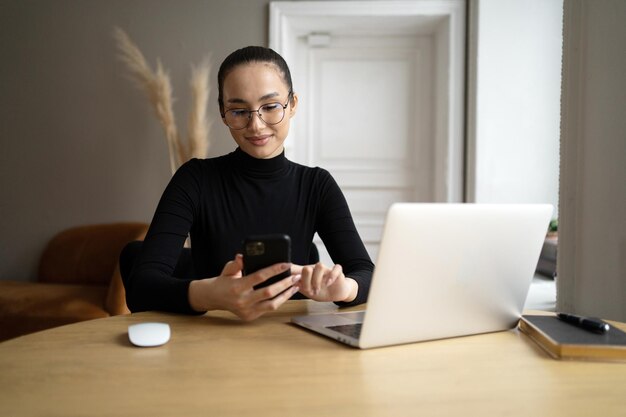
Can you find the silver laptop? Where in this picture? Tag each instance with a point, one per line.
(444, 270)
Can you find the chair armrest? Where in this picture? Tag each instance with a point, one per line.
(115, 301)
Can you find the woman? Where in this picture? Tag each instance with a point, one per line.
(251, 191)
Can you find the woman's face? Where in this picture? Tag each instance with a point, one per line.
(248, 87)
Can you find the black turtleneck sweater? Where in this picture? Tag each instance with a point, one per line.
(220, 201)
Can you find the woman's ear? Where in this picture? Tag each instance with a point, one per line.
(223, 116)
(293, 105)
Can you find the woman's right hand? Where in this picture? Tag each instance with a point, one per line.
(233, 292)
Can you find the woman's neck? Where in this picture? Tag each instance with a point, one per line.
(258, 166)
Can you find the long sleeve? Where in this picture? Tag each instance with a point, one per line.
(152, 285)
(337, 230)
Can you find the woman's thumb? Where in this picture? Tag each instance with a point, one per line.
(234, 267)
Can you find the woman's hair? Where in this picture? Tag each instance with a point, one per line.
(247, 55)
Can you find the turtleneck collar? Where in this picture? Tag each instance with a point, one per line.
(250, 165)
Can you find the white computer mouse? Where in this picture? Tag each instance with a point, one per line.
(149, 334)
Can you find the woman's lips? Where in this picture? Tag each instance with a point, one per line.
(259, 140)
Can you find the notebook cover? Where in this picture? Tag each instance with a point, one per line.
(564, 340)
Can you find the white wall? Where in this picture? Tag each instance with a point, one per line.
(592, 225)
(514, 86)
(78, 143)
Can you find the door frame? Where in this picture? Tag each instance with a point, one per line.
(444, 20)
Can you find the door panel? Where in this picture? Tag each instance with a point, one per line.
(368, 107)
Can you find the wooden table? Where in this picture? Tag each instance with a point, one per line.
(215, 365)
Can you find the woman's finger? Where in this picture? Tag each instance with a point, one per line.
(274, 303)
(275, 289)
(264, 274)
(305, 281)
(318, 275)
(335, 273)
(233, 268)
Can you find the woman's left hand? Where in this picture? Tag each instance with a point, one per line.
(321, 283)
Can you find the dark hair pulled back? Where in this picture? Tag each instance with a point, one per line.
(247, 55)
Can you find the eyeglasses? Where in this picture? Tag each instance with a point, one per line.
(270, 114)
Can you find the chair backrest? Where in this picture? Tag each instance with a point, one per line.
(86, 254)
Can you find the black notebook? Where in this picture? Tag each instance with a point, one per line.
(564, 340)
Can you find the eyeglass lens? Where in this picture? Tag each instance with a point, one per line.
(271, 114)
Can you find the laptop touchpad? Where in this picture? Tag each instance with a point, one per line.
(352, 317)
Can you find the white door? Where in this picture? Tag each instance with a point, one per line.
(381, 100)
(367, 106)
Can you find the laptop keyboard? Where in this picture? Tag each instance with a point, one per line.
(353, 330)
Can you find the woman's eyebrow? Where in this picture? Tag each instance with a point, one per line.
(262, 98)
(268, 96)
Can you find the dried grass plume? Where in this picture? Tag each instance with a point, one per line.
(199, 125)
(158, 88)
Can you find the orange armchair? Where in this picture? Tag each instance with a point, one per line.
(78, 279)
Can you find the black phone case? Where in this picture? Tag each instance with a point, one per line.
(276, 249)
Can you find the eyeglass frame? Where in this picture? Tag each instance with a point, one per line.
(284, 106)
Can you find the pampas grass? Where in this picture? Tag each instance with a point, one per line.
(198, 125)
(158, 88)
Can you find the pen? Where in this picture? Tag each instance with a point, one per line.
(587, 323)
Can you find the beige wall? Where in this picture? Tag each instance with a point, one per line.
(78, 143)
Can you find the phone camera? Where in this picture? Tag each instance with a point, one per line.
(255, 248)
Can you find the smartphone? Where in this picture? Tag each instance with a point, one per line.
(265, 250)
